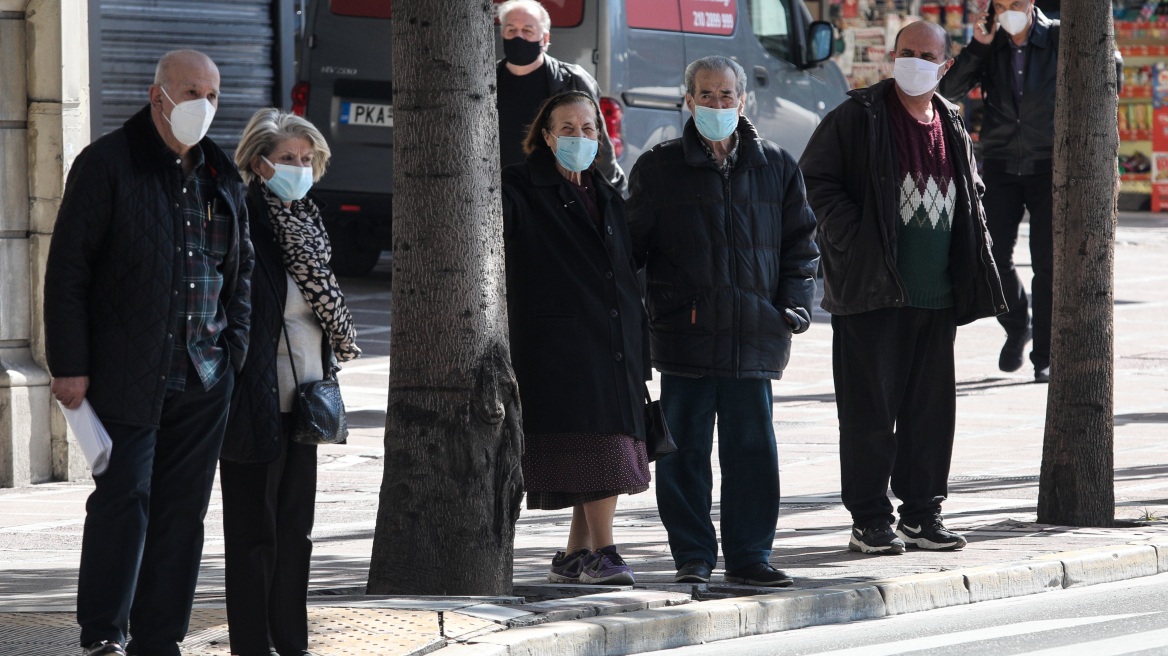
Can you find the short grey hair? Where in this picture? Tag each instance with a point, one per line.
(167, 62)
(714, 63)
(545, 19)
(267, 128)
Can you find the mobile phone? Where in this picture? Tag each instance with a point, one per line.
(989, 21)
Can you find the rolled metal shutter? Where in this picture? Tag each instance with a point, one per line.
(237, 35)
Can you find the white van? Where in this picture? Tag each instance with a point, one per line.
(636, 49)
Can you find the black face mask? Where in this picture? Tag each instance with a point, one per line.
(520, 51)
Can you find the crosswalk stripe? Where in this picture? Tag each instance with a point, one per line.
(948, 640)
(1125, 644)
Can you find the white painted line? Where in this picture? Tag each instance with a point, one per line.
(946, 641)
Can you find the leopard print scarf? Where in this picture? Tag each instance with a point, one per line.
(305, 249)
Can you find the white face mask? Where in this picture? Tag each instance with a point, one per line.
(1014, 22)
(190, 120)
(916, 77)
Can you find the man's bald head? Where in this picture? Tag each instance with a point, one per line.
(923, 38)
(174, 64)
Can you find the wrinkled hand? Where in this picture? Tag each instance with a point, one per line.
(799, 318)
(70, 391)
(980, 33)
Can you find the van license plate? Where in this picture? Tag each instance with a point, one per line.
(366, 114)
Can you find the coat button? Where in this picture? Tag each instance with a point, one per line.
(608, 275)
(609, 228)
(618, 356)
(613, 313)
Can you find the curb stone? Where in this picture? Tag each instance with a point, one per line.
(670, 627)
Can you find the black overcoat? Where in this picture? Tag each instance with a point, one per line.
(253, 426)
(579, 335)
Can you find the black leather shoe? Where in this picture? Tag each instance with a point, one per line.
(694, 571)
(103, 648)
(1012, 352)
(761, 574)
(1042, 375)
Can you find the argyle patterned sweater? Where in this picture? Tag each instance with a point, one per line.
(927, 198)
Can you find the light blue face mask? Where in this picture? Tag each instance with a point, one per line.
(576, 153)
(289, 183)
(716, 124)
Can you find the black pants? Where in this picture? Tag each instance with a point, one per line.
(896, 396)
(144, 523)
(267, 525)
(1006, 198)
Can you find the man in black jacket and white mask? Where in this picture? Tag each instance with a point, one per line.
(891, 176)
(721, 221)
(527, 76)
(147, 311)
(1015, 62)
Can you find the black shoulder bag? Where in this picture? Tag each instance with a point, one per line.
(318, 413)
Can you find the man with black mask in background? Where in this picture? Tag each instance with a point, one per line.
(527, 76)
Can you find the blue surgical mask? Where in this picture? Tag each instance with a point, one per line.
(576, 153)
(289, 183)
(716, 124)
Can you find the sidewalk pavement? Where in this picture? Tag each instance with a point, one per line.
(993, 493)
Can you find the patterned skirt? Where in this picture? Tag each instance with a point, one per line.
(561, 470)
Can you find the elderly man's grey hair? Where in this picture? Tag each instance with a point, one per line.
(714, 63)
(545, 19)
(167, 62)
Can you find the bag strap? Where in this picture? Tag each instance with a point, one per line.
(325, 350)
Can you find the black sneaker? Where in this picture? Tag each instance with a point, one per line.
(760, 574)
(103, 648)
(1042, 375)
(878, 539)
(1011, 357)
(928, 533)
(693, 571)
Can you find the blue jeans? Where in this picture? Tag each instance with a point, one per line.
(750, 469)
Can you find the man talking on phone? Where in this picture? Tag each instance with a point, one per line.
(1013, 57)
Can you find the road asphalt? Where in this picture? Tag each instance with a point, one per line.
(993, 493)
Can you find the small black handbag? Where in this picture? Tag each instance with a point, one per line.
(658, 441)
(318, 413)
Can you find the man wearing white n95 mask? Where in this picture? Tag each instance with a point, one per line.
(891, 177)
(1013, 57)
(147, 311)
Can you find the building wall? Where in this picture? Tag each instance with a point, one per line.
(44, 123)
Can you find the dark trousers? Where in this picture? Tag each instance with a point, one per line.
(144, 523)
(268, 512)
(896, 397)
(1006, 198)
(749, 462)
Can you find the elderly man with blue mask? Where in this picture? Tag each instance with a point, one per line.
(891, 176)
(720, 220)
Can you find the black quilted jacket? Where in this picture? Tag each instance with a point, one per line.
(112, 290)
(253, 427)
(723, 257)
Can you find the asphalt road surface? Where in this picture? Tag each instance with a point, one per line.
(1125, 617)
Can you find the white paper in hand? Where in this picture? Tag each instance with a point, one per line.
(91, 435)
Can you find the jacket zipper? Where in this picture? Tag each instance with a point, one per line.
(877, 184)
(693, 312)
(733, 268)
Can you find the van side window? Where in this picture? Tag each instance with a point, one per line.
(768, 18)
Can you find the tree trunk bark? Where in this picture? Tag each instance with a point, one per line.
(452, 484)
(1076, 486)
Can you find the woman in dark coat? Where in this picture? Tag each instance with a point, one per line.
(268, 481)
(579, 336)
